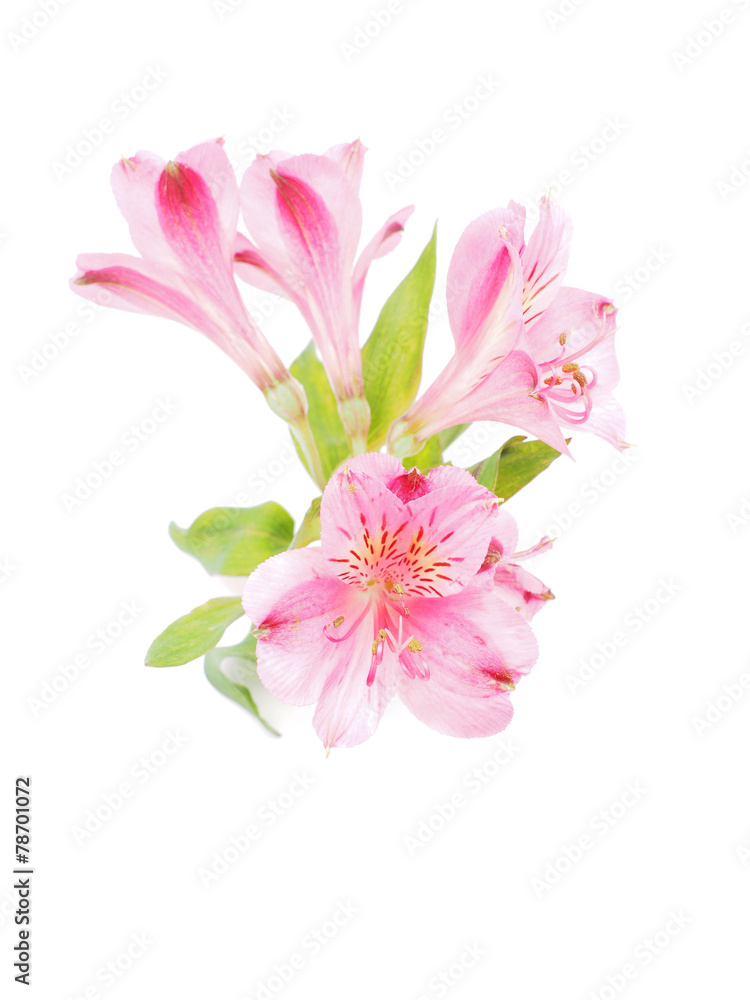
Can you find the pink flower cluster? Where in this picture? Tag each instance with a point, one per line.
(415, 590)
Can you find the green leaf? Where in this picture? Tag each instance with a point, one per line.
(309, 529)
(245, 653)
(392, 356)
(234, 540)
(427, 458)
(513, 465)
(323, 414)
(194, 634)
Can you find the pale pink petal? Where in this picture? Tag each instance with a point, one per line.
(252, 267)
(349, 709)
(134, 182)
(606, 420)
(142, 286)
(350, 156)
(504, 536)
(507, 395)
(545, 259)
(476, 648)
(578, 317)
(479, 270)
(382, 243)
(290, 599)
(521, 589)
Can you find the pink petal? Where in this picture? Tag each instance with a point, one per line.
(507, 396)
(479, 270)
(190, 220)
(210, 162)
(382, 243)
(581, 317)
(476, 648)
(607, 419)
(545, 259)
(252, 267)
(350, 156)
(134, 182)
(361, 521)
(290, 598)
(141, 286)
(348, 708)
(521, 589)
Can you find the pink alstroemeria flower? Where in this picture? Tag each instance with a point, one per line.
(529, 352)
(183, 218)
(393, 602)
(521, 589)
(304, 215)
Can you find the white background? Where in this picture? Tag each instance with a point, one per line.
(646, 203)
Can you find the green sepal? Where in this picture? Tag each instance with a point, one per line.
(392, 356)
(323, 414)
(234, 540)
(195, 633)
(309, 529)
(234, 689)
(513, 466)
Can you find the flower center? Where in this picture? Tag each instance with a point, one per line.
(386, 636)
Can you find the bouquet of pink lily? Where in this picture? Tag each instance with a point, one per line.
(415, 587)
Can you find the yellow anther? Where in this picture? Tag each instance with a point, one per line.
(398, 588)
(570, 367)
(414, 646)
(337, 622)
(563, 338)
